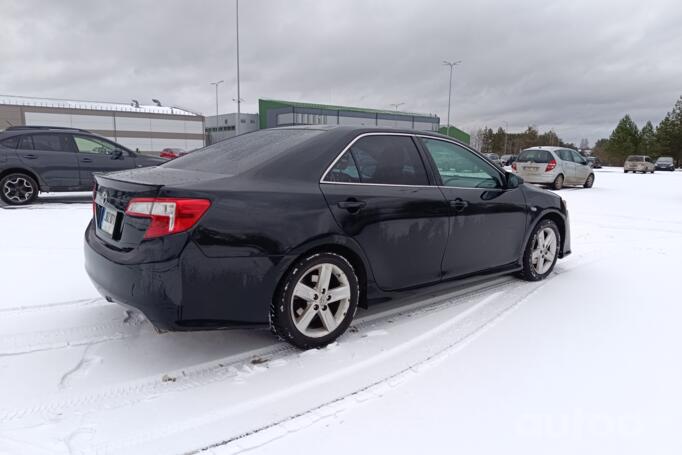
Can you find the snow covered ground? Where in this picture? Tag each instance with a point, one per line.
(587, 361)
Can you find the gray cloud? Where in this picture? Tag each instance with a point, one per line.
(573, 66)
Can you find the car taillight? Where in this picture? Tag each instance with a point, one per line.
(513, 166)
(168, 215)
(551, 165)
(94, 204)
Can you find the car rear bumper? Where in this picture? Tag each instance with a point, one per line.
(544, 178)
(192, 291)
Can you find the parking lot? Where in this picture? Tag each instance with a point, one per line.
(81, 375)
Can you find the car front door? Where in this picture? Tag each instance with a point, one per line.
(487, 220)
(381, 196)
(99, 155)
(582, 168)
(51, 158)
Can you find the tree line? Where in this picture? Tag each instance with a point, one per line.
(502, 142)
(627, 139)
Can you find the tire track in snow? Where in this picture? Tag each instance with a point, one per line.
(376, 389)
(460, 327)
(123, 325)
(231, 367)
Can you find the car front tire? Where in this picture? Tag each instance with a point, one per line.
(589, 182)
(316, 301)
(542, 251)
(18, 189)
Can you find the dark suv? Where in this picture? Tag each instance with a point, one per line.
(34, 159)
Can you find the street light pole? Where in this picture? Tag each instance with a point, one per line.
(452, 66)
(396, 105)
(217, 83)
(506, 127)
(239, 99)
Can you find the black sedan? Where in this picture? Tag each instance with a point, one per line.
(297, 227)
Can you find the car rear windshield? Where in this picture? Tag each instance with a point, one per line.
(534, 156)
(635, 158)
(236, 155)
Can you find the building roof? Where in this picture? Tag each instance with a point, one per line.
(94, 105)
(345, 108)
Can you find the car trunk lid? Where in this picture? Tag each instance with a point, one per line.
(113, 193)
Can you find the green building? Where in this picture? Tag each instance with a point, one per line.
(456, 133)
(274, 113)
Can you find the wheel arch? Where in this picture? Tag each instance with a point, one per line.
(560, 221)
(342, 246)
(20, 170)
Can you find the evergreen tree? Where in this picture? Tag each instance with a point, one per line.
(669, 134)
(624, 140)
(647, 139)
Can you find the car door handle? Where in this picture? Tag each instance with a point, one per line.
(30, 156)
(352, 205)
(459, 204)
(86, 160)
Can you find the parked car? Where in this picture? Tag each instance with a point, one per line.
(593, 162)
(495, 158)
(553, 166)
(639, 163)
(34, 159)
(172, 153)
(296, 227)
(665, 163)
(507, 160)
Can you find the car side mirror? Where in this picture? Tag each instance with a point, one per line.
(116, 154)
(513, 181)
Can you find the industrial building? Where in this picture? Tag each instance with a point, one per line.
(222, 126)
(275, 113)
(147, 128)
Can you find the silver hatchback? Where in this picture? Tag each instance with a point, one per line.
(553, 166)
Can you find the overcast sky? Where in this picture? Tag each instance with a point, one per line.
(573, 66)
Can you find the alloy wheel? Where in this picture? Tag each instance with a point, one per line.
(544, 250)
(18, 190)
(320, 300)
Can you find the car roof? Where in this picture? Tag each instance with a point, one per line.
(549, 148)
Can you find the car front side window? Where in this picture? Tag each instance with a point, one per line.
(92, 145)
(344, 170)
(459, 167)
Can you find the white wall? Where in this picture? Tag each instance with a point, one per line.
(123, 123)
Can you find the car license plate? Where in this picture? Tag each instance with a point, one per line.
(532, 168)
(108, 221)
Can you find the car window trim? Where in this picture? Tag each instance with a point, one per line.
(485, 159)
(420, 145)
(378, 133)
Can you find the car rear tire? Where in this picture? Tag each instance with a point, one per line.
(541, 252)
(18, 189)
(558, 182)
(589, 182)
(316, 301)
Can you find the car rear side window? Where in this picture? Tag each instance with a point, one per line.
(534, 156)
(388, 160)
(565, 155)
(48, 142)
(238, 154)
(11, 142)
(344, 170)
(26, 143)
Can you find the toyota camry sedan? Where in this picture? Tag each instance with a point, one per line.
(297, 227)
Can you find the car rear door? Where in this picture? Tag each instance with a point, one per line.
(380, 194)
(582, 167)
(567, 165)
(99, 155)
(487, 220)
(51, 158)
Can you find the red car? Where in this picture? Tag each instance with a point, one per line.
(171, 153)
